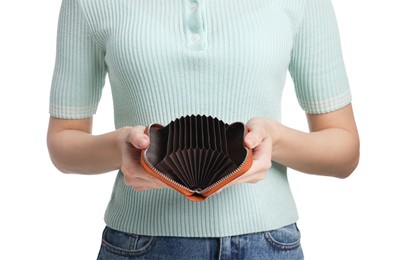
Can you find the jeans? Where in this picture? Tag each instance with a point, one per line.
(283, 243)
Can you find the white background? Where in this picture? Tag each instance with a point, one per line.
(47, 215)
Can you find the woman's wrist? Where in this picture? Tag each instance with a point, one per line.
(121, 137)
(275, 131)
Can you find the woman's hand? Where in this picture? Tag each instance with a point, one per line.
(260, 138)
(133, 140)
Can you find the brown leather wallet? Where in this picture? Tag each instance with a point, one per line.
(196, 155)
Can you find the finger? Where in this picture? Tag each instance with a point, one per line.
(138, 184)
(152, 185)
(143, 181)
(261, 158)
(263, 150)
(254, 137)
(130, 159)
(135, 141)
(139, 139)
(135, 170)
(252, 140)
(261, 163)
(257, 173)
(145, 176)
(142, 186)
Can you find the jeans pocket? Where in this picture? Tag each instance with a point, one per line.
(125, 244)
(285, 238)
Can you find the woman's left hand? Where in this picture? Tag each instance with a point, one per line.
(260, 138)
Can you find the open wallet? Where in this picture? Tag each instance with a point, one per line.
(196, 155)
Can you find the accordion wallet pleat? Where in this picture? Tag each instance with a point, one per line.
(196, 155)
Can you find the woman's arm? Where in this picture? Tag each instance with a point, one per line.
(330, 149)
(73, 149)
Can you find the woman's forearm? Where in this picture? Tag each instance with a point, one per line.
(73, 149)
(330, 152)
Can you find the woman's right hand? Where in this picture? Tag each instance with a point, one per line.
(132, 141)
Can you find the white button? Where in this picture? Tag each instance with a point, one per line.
(195, 37)
(193, 6)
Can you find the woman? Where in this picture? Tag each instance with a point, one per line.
(227, 59)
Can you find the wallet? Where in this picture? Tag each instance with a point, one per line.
(196, 155)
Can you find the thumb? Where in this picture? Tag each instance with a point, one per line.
(140, 141)
(253, 138)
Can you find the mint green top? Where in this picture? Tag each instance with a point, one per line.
(224, 58)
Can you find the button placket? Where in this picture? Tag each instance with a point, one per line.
(194, 25)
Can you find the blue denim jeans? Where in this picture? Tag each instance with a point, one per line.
(283, 243)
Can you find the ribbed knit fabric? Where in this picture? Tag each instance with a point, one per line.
(224, 58)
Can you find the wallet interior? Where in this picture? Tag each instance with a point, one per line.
(196, 152)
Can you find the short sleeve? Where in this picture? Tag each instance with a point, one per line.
(80, 71)
(317, 65)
